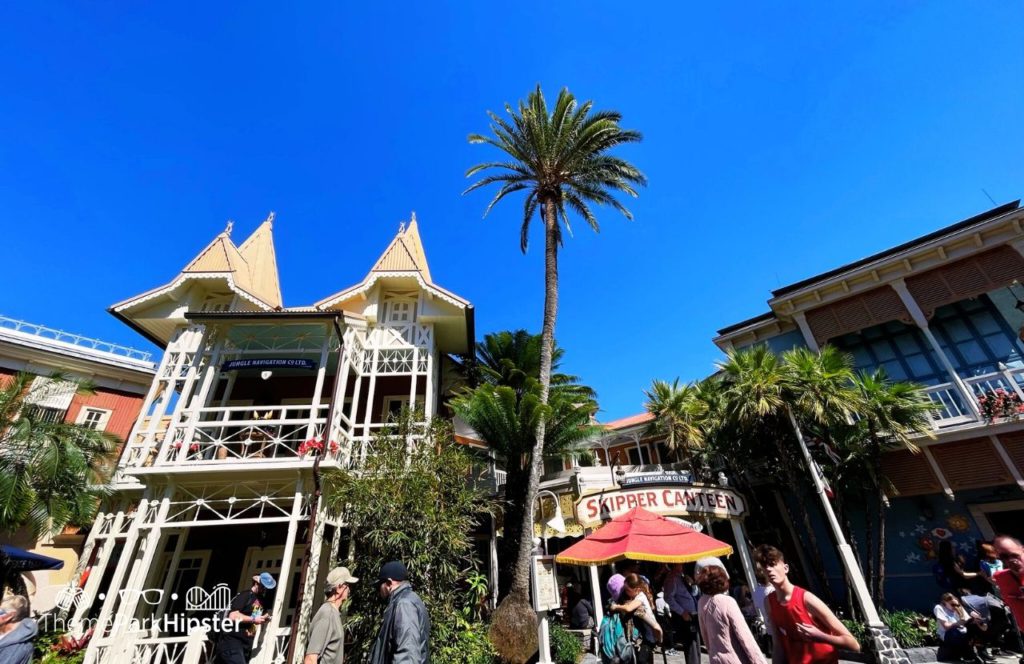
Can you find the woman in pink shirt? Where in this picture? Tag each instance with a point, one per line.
(722, 626)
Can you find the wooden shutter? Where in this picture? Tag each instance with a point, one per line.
(1013, 443)
(971, 464)
(879, 305)
(910, 473)
(967, 277)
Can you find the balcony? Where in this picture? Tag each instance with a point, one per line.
(953, 409)
(231, 434)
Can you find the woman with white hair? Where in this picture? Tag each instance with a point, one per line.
(17, 631)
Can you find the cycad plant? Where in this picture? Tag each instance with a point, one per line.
(560, 158)
(504, 409)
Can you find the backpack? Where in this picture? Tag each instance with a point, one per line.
(615, 646)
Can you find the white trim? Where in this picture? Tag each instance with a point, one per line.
(371, 280)
(101, 424)
(181, 279)
(980, 510)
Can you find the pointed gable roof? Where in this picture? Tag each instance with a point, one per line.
(250, 270)
(404, 257)
(261, 261)
(405, 253)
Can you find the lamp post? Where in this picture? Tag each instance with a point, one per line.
(556, 523)
(886, 648)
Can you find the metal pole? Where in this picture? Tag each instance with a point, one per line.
(846, 556)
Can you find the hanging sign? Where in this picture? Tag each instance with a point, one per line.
(648, 479)
(269, 363)
(667, 500)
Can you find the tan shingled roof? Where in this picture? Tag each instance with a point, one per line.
(404, 254)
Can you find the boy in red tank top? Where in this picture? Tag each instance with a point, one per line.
(804, 630)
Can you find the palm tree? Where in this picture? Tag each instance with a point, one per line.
(504, 409)
(51, 473)
(679, 415)
(561, 159)
(762, 392)
(892, 414)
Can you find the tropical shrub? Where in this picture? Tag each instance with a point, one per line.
(413, 499)
(565, 646)
(909, 628)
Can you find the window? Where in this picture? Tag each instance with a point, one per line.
(44, 414)
(94, 418)
(638, 456)
(393, 406)
(48, 399)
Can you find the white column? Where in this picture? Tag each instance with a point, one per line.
(946, 488)
(412, 380)
(1007, 461)
(429, 407)
(801, 322)
(595, 594)
(371, 389)
(172, 569)
(318, 389)
(311, 589)
(187, 385)
(99, 569)
(202, 396)
(921, 321)
(492, 550)
(127, 553)
(270, 629)
(740, 536)
(143, 564)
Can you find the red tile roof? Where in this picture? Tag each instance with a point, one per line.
(632, 420)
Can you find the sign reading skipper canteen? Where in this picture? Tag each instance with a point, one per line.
(667, 500)
(269, 363)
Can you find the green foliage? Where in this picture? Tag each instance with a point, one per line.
(909, 628)
(51, 473)
(413, 500)
(566, 648)
(49, 649)
(468, 643)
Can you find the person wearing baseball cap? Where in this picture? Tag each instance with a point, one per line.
(404, 635)
(326, 643)
(248, 610)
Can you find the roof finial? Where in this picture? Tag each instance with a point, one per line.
(412, 217)
(270, 218)
(401, 227)
(227, 229)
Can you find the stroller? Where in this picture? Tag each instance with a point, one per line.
(1002, 631)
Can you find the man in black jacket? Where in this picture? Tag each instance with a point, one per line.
(404, 636)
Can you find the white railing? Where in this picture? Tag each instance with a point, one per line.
(142, 649)
(73, 339)
(952, 407)
(233, 433)
(499, 479)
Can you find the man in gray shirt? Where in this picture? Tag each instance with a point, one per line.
(326, 643)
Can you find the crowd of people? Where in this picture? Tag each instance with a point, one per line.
(776, 620)
(983, 608)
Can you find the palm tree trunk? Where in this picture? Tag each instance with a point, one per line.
(880, 582)
(514, 624)
(869, 541)
(508, 552)
(521, 582)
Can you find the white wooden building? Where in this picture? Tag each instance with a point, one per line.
(214, 485)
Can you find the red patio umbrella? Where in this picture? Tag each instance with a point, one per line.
(642, 535)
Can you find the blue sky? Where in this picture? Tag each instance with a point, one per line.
(781, 140)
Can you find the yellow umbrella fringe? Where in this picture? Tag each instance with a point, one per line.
(688, 558)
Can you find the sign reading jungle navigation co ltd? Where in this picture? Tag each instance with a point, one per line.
(667, 500)
(269, 363)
